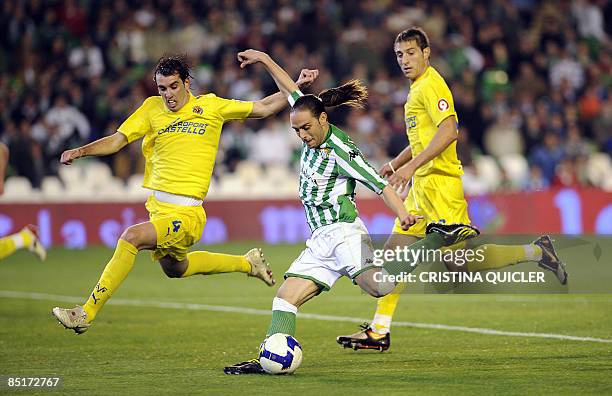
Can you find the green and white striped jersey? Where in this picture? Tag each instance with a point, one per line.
(328, 176)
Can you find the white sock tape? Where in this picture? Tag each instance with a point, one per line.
(278, 304)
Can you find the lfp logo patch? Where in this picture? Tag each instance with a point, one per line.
(443, 105)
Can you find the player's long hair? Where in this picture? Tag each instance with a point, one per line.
(353, 94)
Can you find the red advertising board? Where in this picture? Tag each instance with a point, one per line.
(76, 225)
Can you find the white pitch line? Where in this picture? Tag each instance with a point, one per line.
(264, 312)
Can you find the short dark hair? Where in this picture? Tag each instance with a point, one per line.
(414, 33)
(173, 64)
(353, 94)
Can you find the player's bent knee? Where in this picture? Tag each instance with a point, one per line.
(374, 283)
(131, 235)
(142, 236)
(290, 297)
(296, 291)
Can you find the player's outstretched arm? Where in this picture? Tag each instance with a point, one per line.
(394, 202)
(280, 76)
(444, 136)
(274, 103)
(105, 146)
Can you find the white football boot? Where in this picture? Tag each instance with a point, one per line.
(74, 319)
(259, 268)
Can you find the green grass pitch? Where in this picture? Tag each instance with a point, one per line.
(152, 350)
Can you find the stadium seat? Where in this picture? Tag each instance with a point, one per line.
(488, 170)
(97, 174)
(249, 171)
(134, 188)
(17, 188)
(213, 189)
(72, 176)
(599, 169)
(52, 188)
(288, 188)
(263, 189)
(233, 186)
(473, 184)
(279, 172)
(112, 190)
(516, 167)
(607, 183)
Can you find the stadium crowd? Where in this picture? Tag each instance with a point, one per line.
(530, 78)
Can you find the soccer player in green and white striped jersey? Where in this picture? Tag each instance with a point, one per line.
(328, 174)
(330, 166)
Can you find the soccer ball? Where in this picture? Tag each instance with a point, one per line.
(280, 354)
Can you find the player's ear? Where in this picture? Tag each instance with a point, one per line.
(426, 53)
(187, 83)
(323, 118)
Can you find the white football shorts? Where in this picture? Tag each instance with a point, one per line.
(335, 250)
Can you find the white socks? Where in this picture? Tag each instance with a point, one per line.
(278, 304)
(381, 324)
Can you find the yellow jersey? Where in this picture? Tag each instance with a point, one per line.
(180, 147)
(429, 102)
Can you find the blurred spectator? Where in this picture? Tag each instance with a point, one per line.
(548, 155)
(72, 126)
(72, 70)
(602, 126)
(273, 144)
(236, 143)
(566, 69)
(503, 137)
(577, 145)
(566, 174)
(26, 155)
(528, 82)
(590, 19)
(536, 181)
(87, 58)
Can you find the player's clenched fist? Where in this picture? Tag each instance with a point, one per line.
(386, 170)
(251, 56)
(409, 221)
(400, 179)
(307, 76)
(69, 155)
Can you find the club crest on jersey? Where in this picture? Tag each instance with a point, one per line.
(198, 110)
(411, 122)
(326, 152)
(443, 105)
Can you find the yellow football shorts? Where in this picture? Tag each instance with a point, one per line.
(178, 227)
(436, 198)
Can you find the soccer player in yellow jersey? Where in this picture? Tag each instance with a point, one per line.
(430, 162)
(28, 236)
(180, 134)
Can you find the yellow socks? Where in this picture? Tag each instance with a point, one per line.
(499, 256)
(495, 256)
(207, 263)
(8, 245)
(114, 273)
(385, 309)
(11, 243)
